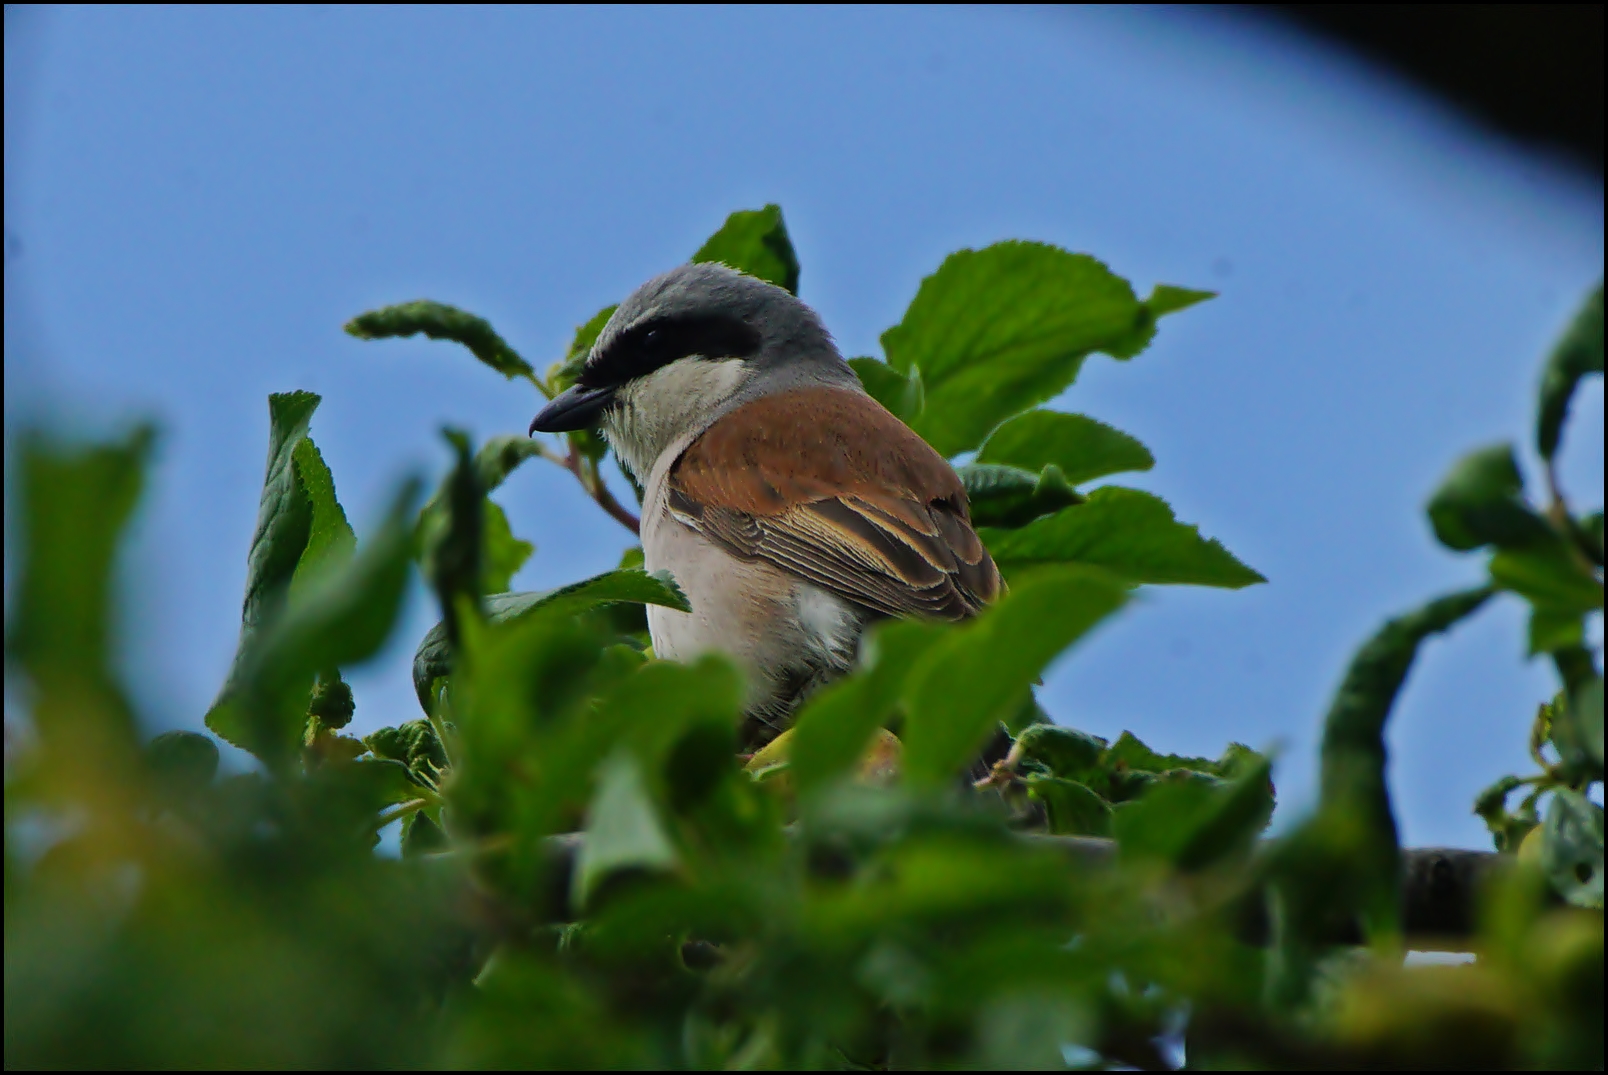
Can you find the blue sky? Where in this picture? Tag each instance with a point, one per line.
(197, 198)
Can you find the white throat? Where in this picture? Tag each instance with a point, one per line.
(682, 397)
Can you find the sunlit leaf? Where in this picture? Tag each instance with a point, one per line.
(1127, 532)
(754, 241)
(1083, 448)
(998, 330)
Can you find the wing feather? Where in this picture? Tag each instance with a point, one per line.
(829, 486)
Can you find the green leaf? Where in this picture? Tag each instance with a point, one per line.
(182, 763)
(1074, 809)
(1548, 573)
(961, 687)
(834, 726)
(1507, 830)
(903, 394)
(1481, 502)
(284, 524)
(564, 374)
(415, 745)
(75, 503)
(1353, 786)
(1166, 299)
(1577, 728)
(1065, 752)
(434, 656)
(439, 321)
(500, 456)
(342, 619)
(1193, 819)
(998, 330)
(623, 831)
(1083, 448)
(329, 536)
(452, 539)
(1009, 496)
(502, 554)
(754, 241)
(1127, 532)
(1590, 529)
(1130, 752)
(422, 836)
(1577, 354)
(1585, 710)
(1552, 629)
(1571, 848)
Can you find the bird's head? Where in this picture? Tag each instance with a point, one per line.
(686, 348)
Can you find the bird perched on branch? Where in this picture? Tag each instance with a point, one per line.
(791, 507)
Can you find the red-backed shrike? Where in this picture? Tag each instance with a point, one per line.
(790, 506)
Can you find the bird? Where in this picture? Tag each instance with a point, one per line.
(792, 509)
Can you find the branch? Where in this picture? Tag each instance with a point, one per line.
(585, 472)
(1440, 890)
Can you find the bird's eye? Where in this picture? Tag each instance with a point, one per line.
(651, 339)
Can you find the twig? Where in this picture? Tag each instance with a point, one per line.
(585, 471)
(401, 810)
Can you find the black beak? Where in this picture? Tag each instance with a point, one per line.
(575, 409)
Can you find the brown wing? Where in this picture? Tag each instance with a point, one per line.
(826, 484)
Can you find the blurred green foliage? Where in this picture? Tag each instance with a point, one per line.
(591, 876)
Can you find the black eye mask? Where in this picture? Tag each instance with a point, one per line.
(657, 343)
(637, 353)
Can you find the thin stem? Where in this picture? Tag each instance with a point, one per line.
(401, 810)
(585, 472)
(541, 385)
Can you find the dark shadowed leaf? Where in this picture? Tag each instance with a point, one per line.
(182, 762)
(1006, 496)
(452, 536)
(1083, 448)
(439, 321)
(422, 836)
(901, 393)
(997, 330)
(433, 657)
(1193, 819)
(965, 684)
(754, 241)
(1065, 752)
(1074, 810)
(1481, 502)
(1577, 354)
(1127, 532)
